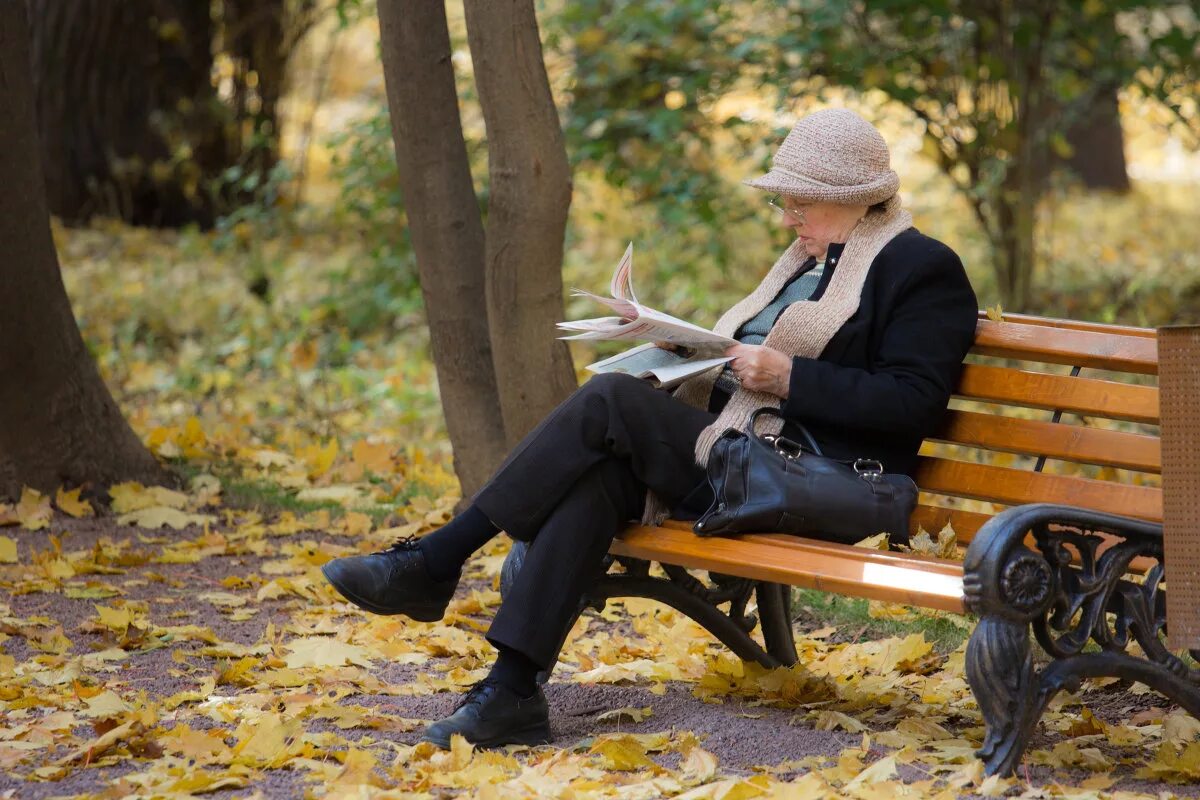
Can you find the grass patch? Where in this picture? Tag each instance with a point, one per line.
(270, 498)
(813, 609)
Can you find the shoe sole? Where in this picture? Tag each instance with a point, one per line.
(430, 614)
(532, 736)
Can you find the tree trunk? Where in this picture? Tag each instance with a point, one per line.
(446, 228)
(121, 87)
(530, 195)
(1098, 145)
(58, 423)
(256, 41)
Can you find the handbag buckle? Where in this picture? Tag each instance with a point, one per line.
(870, 469)
(783, 446)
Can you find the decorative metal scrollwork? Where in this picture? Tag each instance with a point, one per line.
(1077, 588)
(1026, 582)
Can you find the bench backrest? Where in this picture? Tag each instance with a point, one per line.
(1046, 410)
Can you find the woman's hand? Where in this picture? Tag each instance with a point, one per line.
(761, 368)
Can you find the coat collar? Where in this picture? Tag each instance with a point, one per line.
(834, 252)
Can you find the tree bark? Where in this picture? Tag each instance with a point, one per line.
(58, 423)
(446, 228)
(1098, 145)
(120, 88)
(530, 195)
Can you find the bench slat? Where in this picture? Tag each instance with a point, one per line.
(1054, 440)
(1015, 486)
(808, 563)
(934, 517)
(1075, 325)
(1084, 348)
(1090, 396)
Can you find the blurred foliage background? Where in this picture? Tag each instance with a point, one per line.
(294, 316)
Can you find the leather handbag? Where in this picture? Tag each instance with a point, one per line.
(770, 484)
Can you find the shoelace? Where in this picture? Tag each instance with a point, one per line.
(476, 694)
(404, 543)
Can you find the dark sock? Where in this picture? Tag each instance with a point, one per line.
(448, 547)
(515, 670)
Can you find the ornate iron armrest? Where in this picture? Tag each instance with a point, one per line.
(1072, 590)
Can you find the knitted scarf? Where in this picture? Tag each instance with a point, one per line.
(803, 329)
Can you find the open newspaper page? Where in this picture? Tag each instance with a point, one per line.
(703, 349)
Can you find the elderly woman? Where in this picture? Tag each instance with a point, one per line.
(858, 332)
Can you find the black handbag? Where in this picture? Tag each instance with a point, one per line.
(770, 484)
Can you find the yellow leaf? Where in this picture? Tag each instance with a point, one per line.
(877, 542)
(192, 743)
(319, 457)
(628, 714)
(70, 503)
(882, 770)
(33, 510)
(1087, 726)
(355, 523)
(133, 496)
(995, 786)
(8, 550)
(319, 651)
(832, 720)
(162, 516)
(375, 458)
(461, 752)
(106, 705)
(623, 753)
(995, 313)
(1179, 727)
(697, 763)
(267, 741)
(115, 619)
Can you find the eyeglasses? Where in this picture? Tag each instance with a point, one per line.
(797, 214)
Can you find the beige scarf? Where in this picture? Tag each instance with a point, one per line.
(803, 329)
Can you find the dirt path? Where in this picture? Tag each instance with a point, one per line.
(389, 700)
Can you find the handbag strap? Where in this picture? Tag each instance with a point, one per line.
(775, 412)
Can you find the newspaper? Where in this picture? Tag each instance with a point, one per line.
(661, 367)
(700, 349)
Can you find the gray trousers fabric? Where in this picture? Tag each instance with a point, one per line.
(569, 487)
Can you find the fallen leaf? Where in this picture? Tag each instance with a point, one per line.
(628, 714)
(33, 510)
(70, 503)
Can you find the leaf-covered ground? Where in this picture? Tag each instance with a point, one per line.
(150, 661)
(181, 643)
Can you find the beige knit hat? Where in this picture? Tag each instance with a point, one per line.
(832, 156)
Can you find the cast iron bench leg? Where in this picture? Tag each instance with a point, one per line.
(1071, 591)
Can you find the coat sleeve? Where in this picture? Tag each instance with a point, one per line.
(916, 366)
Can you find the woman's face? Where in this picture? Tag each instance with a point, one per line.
(818, 225)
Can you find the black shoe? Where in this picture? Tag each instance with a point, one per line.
(393, 581)
(491, 715)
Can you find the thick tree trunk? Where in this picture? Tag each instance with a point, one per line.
(446, 228)
(120, 88)
(58, 423)
(530, 194)
(1099, 145)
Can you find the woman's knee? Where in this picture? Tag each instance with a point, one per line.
(615, 387)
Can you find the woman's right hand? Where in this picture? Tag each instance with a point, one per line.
(666, 346)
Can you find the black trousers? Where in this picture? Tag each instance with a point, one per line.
(571, 485)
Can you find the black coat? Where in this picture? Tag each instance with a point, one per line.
(883, 381)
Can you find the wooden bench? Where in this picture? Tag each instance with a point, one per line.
(1049, 476)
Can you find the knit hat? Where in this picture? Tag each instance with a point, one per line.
(832, 156)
